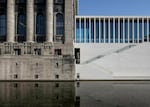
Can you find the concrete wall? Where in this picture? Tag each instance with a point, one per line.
(114, 61)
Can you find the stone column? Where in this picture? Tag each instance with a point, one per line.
(49, 21)
(10, 20)
(30, 20)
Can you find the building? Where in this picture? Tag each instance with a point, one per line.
(36, 39)
(112, 47)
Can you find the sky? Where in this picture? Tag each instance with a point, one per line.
(114, 7)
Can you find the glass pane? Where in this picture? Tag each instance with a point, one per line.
(145, 30)
(140, 30)
(92, 30)
(77, 31)
(106, 30)
(126, 31)
(82, 30)
(40, 24)
(97, 31)
(111, 30)
(87, 30)
(116, 31)
(135, 31)
(121, 31)
(59, 24)
(102, 31)
(2, 25)
(131, 31)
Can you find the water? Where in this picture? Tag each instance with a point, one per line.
(75, 94)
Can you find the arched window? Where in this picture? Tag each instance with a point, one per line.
(2, 25)
(21, 25)
(59, 24)
(40, 24)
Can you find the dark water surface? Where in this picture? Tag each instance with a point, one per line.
(75, 94)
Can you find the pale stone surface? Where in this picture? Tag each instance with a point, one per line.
(30, 20)
(49, 21)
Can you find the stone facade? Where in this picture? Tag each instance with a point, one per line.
(32, 56)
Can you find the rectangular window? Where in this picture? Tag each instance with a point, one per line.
(97, 31)
(15, 76)
(102, 31)
(92, 30)
(121, 31)
(58, 52)
(116, 30)
(140, 31)
(87, 30)
(77, 55)
(145, 30)
(77, 31)
(131, 31)
(106, 31)
(135, 31)
(82, 30)
(111, 30)
(36, 76)
(126, 30)
(56, 76)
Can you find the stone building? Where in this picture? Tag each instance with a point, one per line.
(36, 39)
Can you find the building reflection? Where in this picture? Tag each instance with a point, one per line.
(38, 94)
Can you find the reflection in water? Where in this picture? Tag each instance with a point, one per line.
(42, 94)
(71, 94)
(114, 94)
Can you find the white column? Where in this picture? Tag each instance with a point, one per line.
(49, 21)
(133, 30)
(128, 30)
(10, 20)
(30, 20)
(104, 36)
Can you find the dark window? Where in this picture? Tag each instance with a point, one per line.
(15, 76)
(17, 51)
(36, 76)
(21, 25)
(77, 55)
(59, 24)
(57, 76)
(58, 52)
(37, 51)
(2, 25)
(40, 24)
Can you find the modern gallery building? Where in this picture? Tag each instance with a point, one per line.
(36, 39)
(112, 47)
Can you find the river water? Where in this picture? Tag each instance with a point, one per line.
(75, 94)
